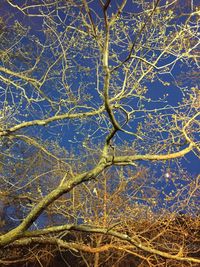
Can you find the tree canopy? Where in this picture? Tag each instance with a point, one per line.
(99, 132)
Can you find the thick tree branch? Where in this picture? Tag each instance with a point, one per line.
(123, 160)
(48, 199)
(43, 122)
(135, 241)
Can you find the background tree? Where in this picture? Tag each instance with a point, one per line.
(131, 206)
(94, 87)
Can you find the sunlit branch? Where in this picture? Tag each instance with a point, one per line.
(44, 122)
(137, 37)
(135, 241)
(187, 125)
(123, 160)
(99, 112)
(50, 198)
(19, 75)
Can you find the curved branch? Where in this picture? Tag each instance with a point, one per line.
(135, 241)
(124, 160)
(49, 199)
(32, 81)
(43, 122)
(187, 125)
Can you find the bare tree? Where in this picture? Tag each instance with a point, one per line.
(126, 205)
(101, 79)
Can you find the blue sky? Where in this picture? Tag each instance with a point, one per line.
(156, 89)
(72, 136)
